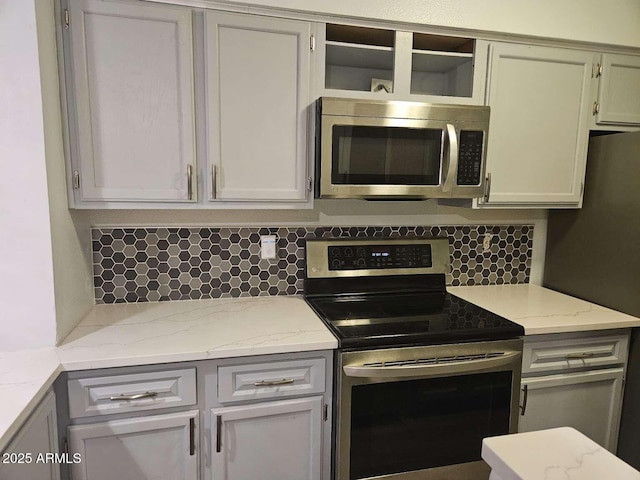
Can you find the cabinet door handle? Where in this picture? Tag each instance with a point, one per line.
(487, 187)
(214, 179)
(579, 356)
(525, 391)
(271, 383)
(192, 436)
(218, 433)
(137, 396)
(190, 182)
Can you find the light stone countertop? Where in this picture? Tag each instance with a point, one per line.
(542, 311)
(150, 333)
(554, 454)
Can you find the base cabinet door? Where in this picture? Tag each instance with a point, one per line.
(537, 147)
(29, 455)
(157, 447)
(279, 440)
(588, 401)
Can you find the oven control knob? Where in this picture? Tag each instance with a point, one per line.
(348, 252)
(360, 252)
(335, 263)
(361, 263)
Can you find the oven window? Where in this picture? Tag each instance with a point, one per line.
(386, 155)
(418, 424)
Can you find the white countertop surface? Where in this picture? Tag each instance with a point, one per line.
(542, 311)
(554, 454)
(149, 333)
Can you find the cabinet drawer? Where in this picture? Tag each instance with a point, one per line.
(571, 353)
(131, 393)
(271, 380)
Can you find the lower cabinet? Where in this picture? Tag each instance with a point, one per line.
(268, 417)
(587, 401)
(30, 455)
(574, 381)
(271, 441)
(260, 417)
(158, 447)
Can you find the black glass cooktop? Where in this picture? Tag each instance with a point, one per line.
(399, 319)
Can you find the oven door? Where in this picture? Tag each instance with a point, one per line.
(422, 412)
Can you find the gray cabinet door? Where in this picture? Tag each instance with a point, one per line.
(257, 71)
(587, 401)
(155, 447)
(38, 436)
(280, 440)
(538, 133)
(619, 90)
(132, 79)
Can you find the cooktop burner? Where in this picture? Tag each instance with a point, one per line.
(409, 319)
(392, 292)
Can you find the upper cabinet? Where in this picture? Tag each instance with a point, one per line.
(131, 105)
(257, 80)
(169, 107)
(538, 132)
(365, 62)
(618, 101)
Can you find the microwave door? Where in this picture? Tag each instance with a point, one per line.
(377, 157)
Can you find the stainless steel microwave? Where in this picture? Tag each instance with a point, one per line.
(399, 150)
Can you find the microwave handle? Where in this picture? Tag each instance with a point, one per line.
(452, 164)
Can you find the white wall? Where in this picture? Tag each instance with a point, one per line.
(27, 304)
(70, 232)
(615, 22)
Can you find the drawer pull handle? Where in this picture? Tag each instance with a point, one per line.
(137, 396)
(579, 356)
(271, 383)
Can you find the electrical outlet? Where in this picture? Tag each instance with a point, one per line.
(268, 246)
(486, 243)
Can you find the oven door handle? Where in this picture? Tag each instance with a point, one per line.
(417, 370)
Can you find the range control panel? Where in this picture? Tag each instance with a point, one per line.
(470, 157)
(368, 257)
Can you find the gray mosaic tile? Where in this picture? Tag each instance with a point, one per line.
(161, 264)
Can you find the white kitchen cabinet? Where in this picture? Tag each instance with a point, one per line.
(387, 64)
(154, 447)
(538, 131)
(257, 83)
(130, 92)
(574, 380)
(618, 101)
(587, 401)
(26, 456)
(267, 417)
(277, 440)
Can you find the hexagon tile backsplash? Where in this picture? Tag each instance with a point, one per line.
(159, 264)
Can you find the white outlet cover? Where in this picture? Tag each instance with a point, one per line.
(268, 246)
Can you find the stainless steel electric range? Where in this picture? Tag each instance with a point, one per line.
(422, 376)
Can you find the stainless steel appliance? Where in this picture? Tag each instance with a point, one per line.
(594, 253)
(421, 375)
(407, 150)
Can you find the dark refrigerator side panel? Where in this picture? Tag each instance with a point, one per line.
(594, 253)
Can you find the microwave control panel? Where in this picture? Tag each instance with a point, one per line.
(470, 157)
(366, 257)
